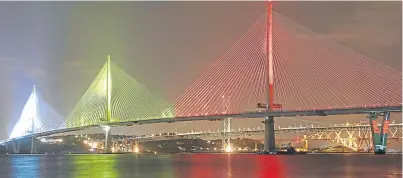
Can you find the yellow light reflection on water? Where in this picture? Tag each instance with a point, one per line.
(99, 166)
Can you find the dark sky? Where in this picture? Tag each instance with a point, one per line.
(60, 46)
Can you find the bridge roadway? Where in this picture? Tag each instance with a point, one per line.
(277, 114)
(252, 132)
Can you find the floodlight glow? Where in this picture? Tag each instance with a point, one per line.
(28, 121)
(228, 149)
(106, 128)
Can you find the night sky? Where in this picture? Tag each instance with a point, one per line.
(60, 46)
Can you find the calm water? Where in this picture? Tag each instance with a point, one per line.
(201, 165)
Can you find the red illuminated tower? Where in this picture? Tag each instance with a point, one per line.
(269, 140)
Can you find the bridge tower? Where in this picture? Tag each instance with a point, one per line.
(269, 137)
(33, 119)
(379, 136)
(108, 134)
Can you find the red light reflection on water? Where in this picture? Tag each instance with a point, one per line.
(223, 166)
(196, 166)
(270, 166)
(203, 166)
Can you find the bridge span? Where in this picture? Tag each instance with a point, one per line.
(246, 115)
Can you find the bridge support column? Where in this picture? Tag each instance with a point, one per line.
(108, 139)
(226, 139)
(379, 137)
(385, 129)
(269, 137)
(16, 147)
(34, 147)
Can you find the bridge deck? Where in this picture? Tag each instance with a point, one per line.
(245, 115)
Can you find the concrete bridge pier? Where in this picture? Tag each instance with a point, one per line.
(34, 145)
(226, 138)
(108, 139)
(16, 147)
(269, 137)
(385, 129)
(379, 135)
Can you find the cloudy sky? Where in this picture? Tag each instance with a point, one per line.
(60, 46)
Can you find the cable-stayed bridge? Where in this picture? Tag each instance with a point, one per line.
(37, 116)
(277, 68)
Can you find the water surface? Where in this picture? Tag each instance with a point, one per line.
(201, 166)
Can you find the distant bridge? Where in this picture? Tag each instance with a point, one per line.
(260, 131)
(353, 136)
